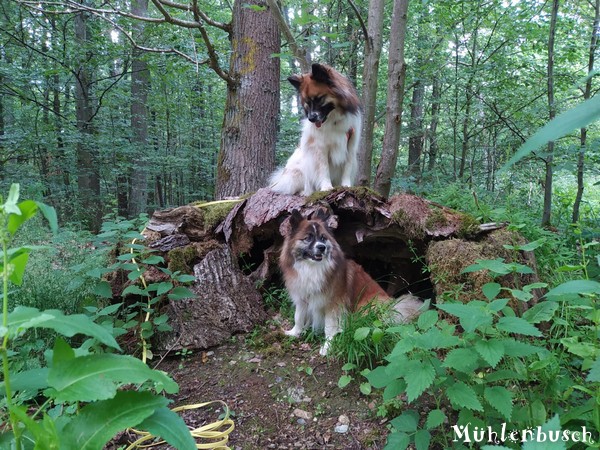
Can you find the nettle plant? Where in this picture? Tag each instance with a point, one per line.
(138, 312)
(80, 396)
(496, 371)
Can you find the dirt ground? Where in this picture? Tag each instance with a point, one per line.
(281, 392)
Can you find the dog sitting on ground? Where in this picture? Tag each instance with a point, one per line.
(327, 154)
(323, 284)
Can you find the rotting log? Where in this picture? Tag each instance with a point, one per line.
(406, 243)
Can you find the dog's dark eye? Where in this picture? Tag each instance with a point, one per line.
(308, 238)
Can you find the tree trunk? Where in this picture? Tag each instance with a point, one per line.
(369, 89)
(88, 176)
(395, 95)
(436, 97)
(140, 85)
(547, 213)
(586, 95)
(415, 141)
(247, 153)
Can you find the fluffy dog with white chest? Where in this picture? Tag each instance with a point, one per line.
(327, 154)
(324, 284)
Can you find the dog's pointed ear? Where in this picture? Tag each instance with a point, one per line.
(320, 74)
(321, 214)
(295, 219)
(296, 81)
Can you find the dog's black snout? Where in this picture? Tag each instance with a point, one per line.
(320, 247)
(313, 117)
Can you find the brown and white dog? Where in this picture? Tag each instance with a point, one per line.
(327, 154)
(323, 284)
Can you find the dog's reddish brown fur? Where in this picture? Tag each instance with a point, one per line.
(322, 283)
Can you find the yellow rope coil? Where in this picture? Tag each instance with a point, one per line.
(212, 431)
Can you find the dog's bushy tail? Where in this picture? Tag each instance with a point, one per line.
(286, 181)
(407, 308)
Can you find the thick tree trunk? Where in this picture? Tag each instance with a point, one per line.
(395, 95)
(549, 161)
(88, 175)
(373, 47)
(247, 154)
(140, 86)
(586, 95)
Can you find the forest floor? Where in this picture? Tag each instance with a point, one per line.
(282, 394)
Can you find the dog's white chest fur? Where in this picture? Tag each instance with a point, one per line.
(326, 157)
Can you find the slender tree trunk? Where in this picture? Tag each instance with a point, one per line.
(369, 89)
(140, 86)
(88, 176)
(436, 97)
(586, 95)
(395, 95)
(247, 154)
(415, 141)
(547, 212)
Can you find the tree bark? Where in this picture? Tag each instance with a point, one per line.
(586, 95)
(547, 212)
(395, 95)
(436, 97)
(140, 86)
(88, 175)
(415, 141)
(247, 153)
(373, 45)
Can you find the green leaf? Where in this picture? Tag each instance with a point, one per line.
(552, 425)
(419, 376)
(103, 289)
(50, 214)
(154, 259)
(435, 418)
(361, 333)
(462, 359)
(575, 287)
(98, 422)
(493, 265)
(24, 317)
(365, 388)
(397, 441)
(541, 312)
(344, 381)
(180, 292)
(500, 399)
(163, 288)
(27, 210)
(32, 380)
(18, 263)
(515, 348)
(517, 325)
(463, 396)
(491, 351)
(394, 389)
(134, 290)
(578, 117)
(408, 421)
(472, 315)
(422, 439)
(594, 374)
(169, 426)
(491, 290)
(96, 377)
(427, 319)
(377, 335)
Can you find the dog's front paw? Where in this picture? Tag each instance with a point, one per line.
(324, 349)
(326, 187)
(294, 332)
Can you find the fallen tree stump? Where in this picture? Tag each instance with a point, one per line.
(407, 244)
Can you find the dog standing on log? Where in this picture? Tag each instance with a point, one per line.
(327, 154)
(323, 284)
